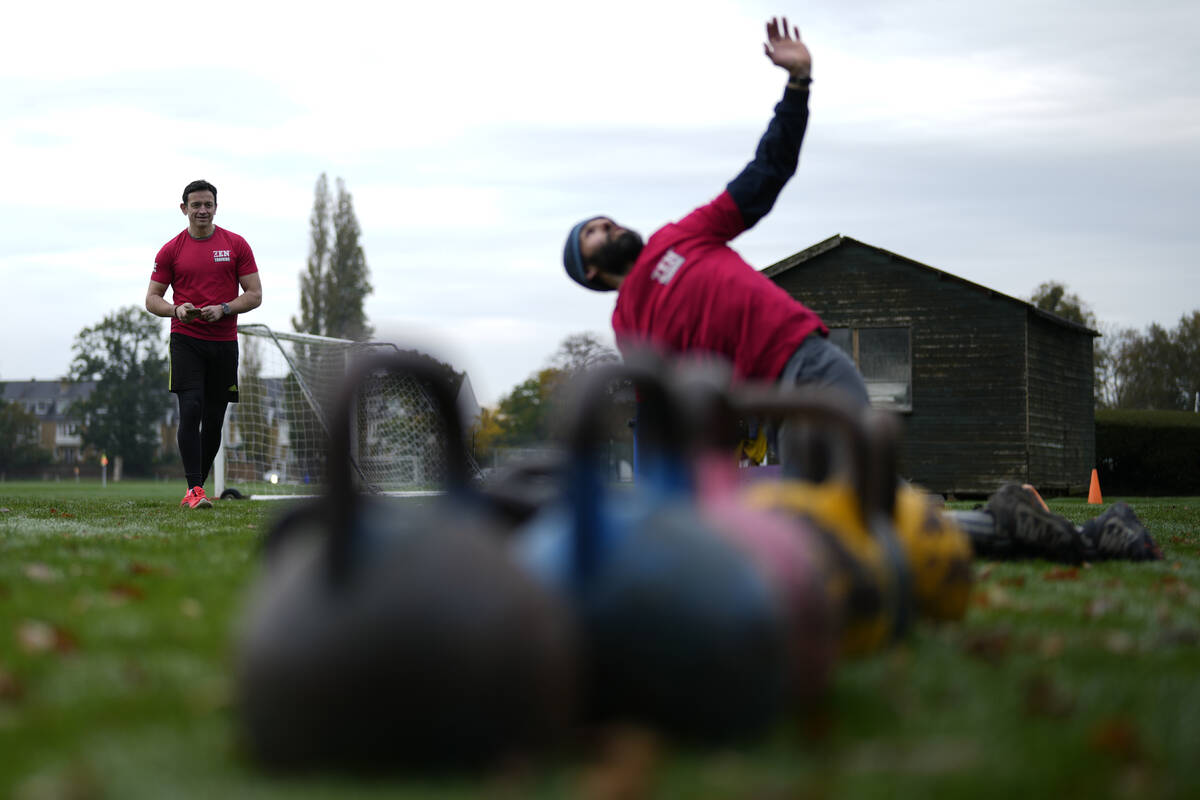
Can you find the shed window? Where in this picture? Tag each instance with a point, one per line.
(884, 357)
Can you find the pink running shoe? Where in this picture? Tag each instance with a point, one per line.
(195, 498)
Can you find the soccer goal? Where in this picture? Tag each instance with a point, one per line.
(276, 438)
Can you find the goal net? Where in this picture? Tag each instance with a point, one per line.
(276, 438)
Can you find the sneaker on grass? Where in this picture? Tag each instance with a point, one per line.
(195, 498)
(1119, 534)
(1034, 531)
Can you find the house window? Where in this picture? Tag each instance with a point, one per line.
(884, 357)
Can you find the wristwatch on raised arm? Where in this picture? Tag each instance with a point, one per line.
(225, 309)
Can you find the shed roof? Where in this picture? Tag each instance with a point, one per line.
(837, 240)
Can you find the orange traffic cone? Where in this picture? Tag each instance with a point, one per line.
(1094, 497)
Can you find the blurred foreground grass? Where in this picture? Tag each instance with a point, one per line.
(117, 610)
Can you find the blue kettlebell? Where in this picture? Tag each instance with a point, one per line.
(679, 630)
(388, 635)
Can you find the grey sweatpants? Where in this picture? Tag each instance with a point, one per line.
(819, 363)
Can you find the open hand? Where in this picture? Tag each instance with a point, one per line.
(784, 48)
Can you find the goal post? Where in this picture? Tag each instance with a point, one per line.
(275, 440)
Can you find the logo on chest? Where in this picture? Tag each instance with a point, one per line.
(666, 267)
(221, 255)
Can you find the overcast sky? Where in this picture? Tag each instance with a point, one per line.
(1006, 141)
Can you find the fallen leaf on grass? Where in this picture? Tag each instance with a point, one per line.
(5, 510)
(39, 637)
(1053, 645)
(991, 596)
(991, 646)
(125, 591)
(1045, 698)
(41, 573)
(10, 687)
(626, 766)
(138, 568)
(1062, 574)
(1174, 588)
(1116, 737)
(1017, 580)
(191, 608)
(984, 574)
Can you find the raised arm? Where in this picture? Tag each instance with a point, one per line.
(759, 184)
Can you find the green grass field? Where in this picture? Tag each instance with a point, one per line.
(116, 619)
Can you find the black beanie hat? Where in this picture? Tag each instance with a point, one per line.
(573, 259)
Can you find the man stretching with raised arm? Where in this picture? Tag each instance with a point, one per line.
(685, 291)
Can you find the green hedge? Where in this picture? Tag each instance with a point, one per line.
(1148, 452)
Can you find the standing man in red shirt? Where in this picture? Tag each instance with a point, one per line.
(685, 291)
(204, 265)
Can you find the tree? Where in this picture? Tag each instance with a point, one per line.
(335, 281)
(1109, 354)
(1053, 297)
(1187, 343)
(529, 413)
(486, 433)
(124, 355)
(348, 284)
(581, 351)
(1146, 371)
(19, 450)
(333, 286)
(312, 280)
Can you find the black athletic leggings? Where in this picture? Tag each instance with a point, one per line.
(199, 435)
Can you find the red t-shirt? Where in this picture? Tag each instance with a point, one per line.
(689, 292)
(204, 272)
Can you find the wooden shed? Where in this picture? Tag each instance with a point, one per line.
(989, 387)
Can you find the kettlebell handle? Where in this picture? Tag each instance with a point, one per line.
(819, 406)
(659, 416)
(342, 494)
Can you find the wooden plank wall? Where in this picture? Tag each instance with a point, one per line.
(967, 431)
(1062, 436)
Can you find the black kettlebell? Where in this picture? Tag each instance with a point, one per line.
(385, 635)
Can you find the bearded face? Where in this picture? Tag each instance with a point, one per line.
(618, 254)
